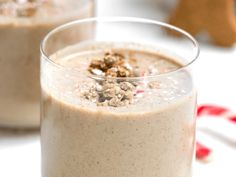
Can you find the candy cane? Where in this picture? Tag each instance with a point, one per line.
(216, 111)
(204, 153)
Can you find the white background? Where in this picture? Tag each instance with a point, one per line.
(215, 74)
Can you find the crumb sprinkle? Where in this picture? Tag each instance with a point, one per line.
(111, 91)
(112, 64)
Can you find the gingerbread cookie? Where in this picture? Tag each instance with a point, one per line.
(216, 17)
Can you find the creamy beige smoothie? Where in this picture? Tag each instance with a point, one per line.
(96, 125)
(23, 25)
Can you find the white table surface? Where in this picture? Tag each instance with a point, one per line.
(216, 82)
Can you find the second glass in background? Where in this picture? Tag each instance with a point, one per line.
(22, 27)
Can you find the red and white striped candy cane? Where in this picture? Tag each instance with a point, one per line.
(204, 153)
(218, 111)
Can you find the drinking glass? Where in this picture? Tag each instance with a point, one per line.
(151, 135)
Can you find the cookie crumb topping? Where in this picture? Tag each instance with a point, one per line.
(114, 90)
(111, 93)
(113, 65)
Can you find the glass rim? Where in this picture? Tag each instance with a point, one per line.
(122, 19)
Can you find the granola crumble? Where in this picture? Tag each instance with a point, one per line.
(111, 93)
(114, 92)
(112, 64)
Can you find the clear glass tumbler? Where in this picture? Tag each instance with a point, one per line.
(23, 25)
(119, 100)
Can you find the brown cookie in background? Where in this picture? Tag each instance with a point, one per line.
(216, 17)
